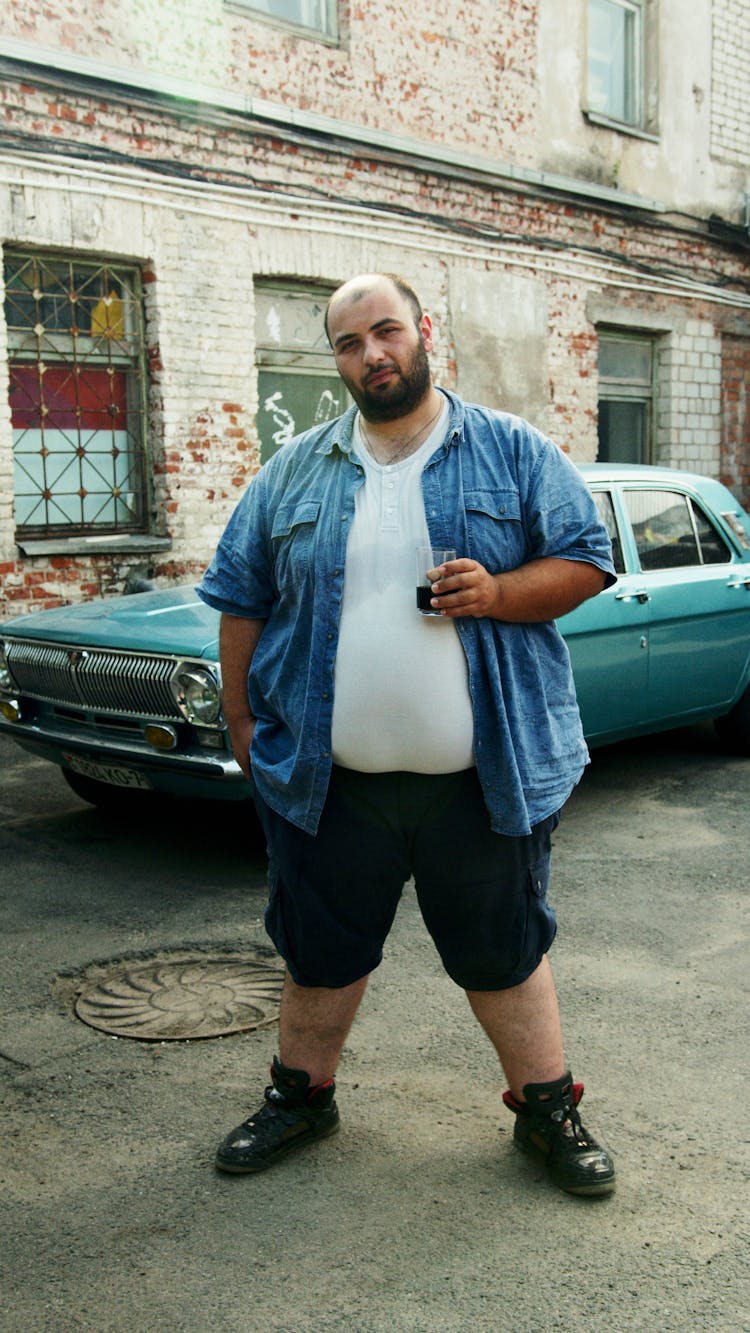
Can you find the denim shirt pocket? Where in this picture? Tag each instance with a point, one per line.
(292, 537)
(495, 528)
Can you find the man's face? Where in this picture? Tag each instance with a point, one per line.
(380, 353)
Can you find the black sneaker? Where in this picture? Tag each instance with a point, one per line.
(291, 1116)
(549, 1130)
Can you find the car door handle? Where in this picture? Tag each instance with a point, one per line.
(740, 583)
(637, 595)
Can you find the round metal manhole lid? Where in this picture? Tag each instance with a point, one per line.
(184, 998)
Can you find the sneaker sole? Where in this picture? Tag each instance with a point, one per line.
(294, 1145)
(590, 1191)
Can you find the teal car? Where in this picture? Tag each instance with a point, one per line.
(124, 694)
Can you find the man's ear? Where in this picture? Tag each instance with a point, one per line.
(425, 328)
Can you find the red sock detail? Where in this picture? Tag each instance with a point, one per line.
(320, 1086)
(511, 1102)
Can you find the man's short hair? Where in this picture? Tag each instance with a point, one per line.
(403, 287)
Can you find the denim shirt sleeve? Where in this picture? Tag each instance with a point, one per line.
(562, 517)
(239, 580)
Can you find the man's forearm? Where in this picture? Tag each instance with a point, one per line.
(538, 591)
(238, 639)
(545, 589)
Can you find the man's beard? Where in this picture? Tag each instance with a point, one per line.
(399, 398)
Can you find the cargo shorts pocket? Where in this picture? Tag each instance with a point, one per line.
(541, 922)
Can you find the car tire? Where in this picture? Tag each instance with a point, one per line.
(733, 730)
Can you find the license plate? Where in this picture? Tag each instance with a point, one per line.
(111, 773)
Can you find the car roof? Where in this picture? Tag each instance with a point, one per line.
(639, 472)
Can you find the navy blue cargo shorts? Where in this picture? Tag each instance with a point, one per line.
(333, 896)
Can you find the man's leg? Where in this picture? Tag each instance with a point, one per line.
(314, 1022)
(299, 1104)
(523, 1024)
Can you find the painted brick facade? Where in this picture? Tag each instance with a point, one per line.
(520, 273)
(735, 453)
(730, 104)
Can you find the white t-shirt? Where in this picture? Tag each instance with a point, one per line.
(401, 689)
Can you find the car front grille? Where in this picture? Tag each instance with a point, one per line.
(133, 684)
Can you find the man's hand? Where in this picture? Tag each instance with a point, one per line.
(538, 591)
(238, 639)
(241, 731)
(473, 592)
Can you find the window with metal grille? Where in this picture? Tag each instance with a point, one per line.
(298, 384)
(77, 396)
(311, 15)
(626, 391)
(616, 60)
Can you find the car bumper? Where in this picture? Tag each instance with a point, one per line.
(194, 774)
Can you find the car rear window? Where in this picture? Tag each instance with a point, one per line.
(672, 531)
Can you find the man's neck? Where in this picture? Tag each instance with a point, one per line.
(392, 441)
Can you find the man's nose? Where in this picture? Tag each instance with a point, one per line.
(372, 352)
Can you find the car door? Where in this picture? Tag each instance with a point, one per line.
(699, 603)
(608, 637)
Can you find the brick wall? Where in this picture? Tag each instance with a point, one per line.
(730, 74)
(735, 439)
(688, 433)
(463, 70)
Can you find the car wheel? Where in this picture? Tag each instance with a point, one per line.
(115, 800)
(734, 729)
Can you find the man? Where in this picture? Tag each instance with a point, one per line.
(383, 743)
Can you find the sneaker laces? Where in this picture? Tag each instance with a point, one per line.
(569, 1126)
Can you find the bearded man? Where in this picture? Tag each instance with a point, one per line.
(383, 743)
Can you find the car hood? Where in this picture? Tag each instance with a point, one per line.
(172, 620)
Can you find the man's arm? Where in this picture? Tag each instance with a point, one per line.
(238, 639)
(540, 590)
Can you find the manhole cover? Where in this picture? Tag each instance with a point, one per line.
(183, 999)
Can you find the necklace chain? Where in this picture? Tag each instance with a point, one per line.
(401, 451)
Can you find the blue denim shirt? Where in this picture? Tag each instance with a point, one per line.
(496, 491)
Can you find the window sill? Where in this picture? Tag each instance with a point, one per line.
(118, 544)
(606, 123)
(248, 10)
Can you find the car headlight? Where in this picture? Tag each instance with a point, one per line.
(7, 683)
(198, 694)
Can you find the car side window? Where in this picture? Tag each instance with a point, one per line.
(671, 532)
(603, 502)
(714, 550)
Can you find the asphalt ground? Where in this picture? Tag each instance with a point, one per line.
(418, 1217)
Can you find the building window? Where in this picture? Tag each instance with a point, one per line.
(317, 16)
(626, 393)
(77, 396)
(616, 60)
(298, 385)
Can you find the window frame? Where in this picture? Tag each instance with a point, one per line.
(625, 388)
(634, 70)
(61, 345)
(329, 34)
